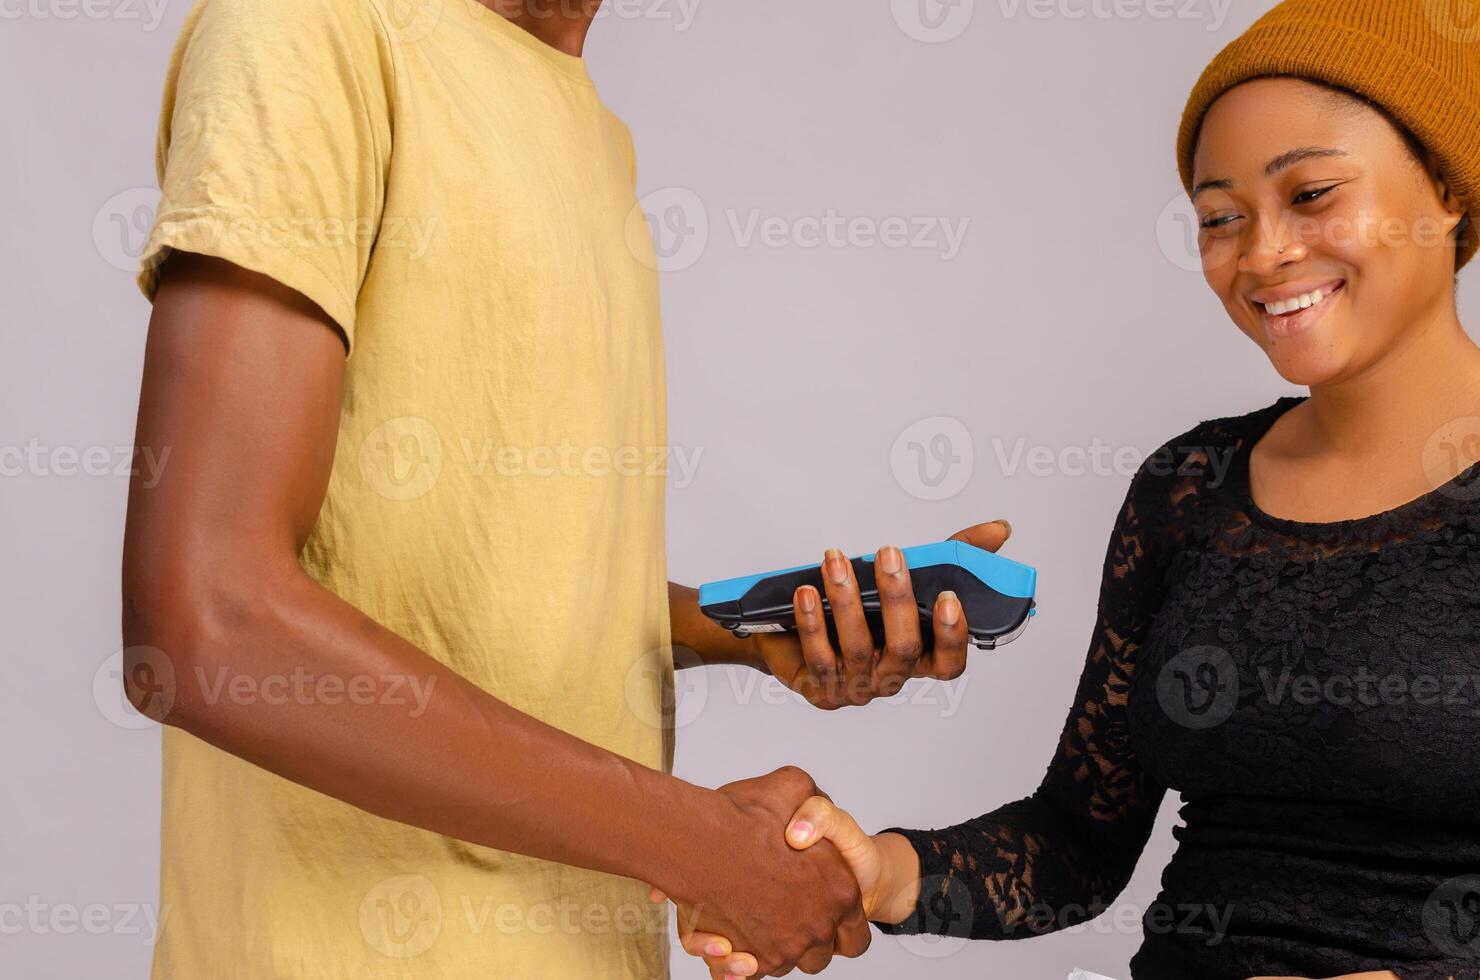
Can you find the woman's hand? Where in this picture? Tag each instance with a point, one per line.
(886, 866)
(860, 670)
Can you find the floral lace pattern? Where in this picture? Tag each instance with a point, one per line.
(1313, 693)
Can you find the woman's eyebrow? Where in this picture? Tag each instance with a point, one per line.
(1284, 161)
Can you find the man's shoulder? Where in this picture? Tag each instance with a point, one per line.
(301, 21)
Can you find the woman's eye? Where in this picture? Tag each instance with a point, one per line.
(1217, 221)
(1305, 197)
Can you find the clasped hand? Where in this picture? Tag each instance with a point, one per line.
(817, 827)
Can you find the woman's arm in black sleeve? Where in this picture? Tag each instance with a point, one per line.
(1060, 856)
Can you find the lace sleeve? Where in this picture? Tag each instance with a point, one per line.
(1060, 856)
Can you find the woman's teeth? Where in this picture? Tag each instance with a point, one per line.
(1304, 302)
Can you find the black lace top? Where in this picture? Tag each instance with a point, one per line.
(1312, 691)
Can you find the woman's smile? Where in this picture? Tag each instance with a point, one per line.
(1291, 310)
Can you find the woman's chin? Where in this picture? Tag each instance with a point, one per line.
(1307, 364)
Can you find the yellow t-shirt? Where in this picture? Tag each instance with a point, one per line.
(455, 195)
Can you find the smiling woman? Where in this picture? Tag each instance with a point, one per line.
(1277, 642)
(1358, 202)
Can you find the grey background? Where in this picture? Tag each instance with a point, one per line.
(1070, 318)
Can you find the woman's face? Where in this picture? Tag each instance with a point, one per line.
(1366, 229)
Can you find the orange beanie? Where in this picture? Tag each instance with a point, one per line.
(1416, 58)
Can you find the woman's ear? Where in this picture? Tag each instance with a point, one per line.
(1453, 206)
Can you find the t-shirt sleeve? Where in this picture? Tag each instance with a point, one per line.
(274, 139)
(1060, 856)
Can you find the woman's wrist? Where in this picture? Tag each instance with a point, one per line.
(898, 891)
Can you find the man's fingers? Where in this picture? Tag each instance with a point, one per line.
(854, 936)
(816, 960)
(947, 660)
(902, 646)
(817, 651)
(855, 642)
(989, 536)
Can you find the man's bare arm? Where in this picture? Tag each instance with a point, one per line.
(242, 383)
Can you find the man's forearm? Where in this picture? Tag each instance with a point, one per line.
(702, 639)
(454, 760)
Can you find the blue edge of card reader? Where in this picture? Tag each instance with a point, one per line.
(996, 593)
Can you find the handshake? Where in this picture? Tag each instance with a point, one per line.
(794, 883)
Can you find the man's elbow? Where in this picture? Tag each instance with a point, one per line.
(179, 632)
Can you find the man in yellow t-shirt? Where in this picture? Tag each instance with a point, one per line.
(406, 565)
